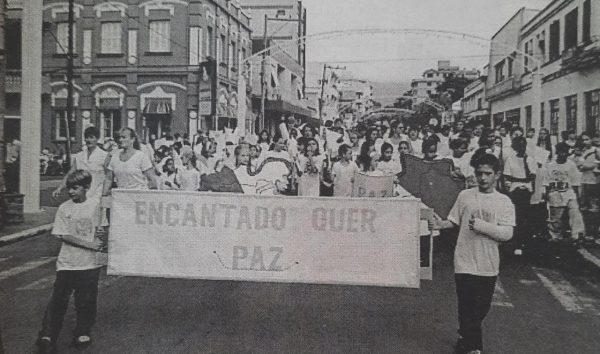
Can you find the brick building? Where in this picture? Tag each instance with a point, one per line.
(143, 64)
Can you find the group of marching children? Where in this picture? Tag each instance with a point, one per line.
(554, 182)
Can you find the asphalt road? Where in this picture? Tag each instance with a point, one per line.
(551, 306)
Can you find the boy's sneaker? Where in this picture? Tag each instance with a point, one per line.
(476, 351)
(82, 341)
(45, 345)
(518, 252)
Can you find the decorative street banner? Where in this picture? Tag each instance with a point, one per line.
(225, 236)
(366, 186)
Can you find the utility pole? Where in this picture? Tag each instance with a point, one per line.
(2, 90)
(69, 115)
(323, 80)
(263, 79)
(263, 83)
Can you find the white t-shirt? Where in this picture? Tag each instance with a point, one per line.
(477, 254)
(417, 147)
(391, 167)
(561, 178)
(343, 177)
(189, 178)
(515, 167)
(78, 220)
(94, 164)
(130, 174)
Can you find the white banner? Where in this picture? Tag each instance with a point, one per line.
(366, 186)
(256, 238)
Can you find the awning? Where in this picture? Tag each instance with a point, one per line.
(286, 108)
(158, 106)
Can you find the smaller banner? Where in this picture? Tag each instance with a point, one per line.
(366, 186)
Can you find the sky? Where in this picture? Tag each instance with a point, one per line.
(379, 55)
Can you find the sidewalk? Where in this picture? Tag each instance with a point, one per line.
(35, 224)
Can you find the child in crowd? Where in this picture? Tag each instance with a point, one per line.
(77, 224)
(343, 172)
(169, 180)
(387, 164)
(416, 144)
(310, 168)
(485, 218)
(590, 186)
(519, 176)
(461, 161)
(561, 184)
(189, 175)
(429, 149)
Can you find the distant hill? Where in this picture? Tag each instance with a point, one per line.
(387, 92)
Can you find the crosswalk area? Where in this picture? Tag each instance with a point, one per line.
(40, 275)
(42, 270)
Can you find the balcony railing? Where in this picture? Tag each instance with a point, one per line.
(510, 85)
(13, 81)
(582, 57)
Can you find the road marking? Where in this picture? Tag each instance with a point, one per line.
(25, 267)
(566, 294)
(39, 284)
(590, 257)
(500, 297)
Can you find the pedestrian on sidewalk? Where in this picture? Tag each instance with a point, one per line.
(485, 218)
(78, 224)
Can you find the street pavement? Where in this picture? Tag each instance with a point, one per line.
(546, 303)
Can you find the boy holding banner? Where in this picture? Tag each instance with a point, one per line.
(485, 218)
(78, 225)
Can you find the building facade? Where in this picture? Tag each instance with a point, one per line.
(425, 86)
(157, 66)
(474, 104)
(279, 81)
(549, 74)
(12, 43)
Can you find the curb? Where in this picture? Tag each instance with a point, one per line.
(25, 234)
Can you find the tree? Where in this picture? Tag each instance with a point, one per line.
(451, 90)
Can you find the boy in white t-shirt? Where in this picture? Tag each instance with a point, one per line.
(77, 224)
(485, 218)
(561, 182)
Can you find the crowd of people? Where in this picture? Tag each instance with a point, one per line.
(518, 185)
(553, 183)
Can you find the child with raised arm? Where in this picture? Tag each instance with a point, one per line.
(485, 218)
(77, 224)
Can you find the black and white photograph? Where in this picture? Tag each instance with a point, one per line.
(300, 176)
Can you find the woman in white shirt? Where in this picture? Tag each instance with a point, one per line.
(130, 167)
(90, 159)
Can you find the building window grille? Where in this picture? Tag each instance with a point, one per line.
(499, 71)
(554, 40)
(110, 37)
(592, 108)
(571, 104)
(542, 115)
(542, 46)
(160, 36)
(528, 117)
(62, 36)
(209, 41)
(571, 29)
(587, 21)
(554, 116)
(61, 124)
